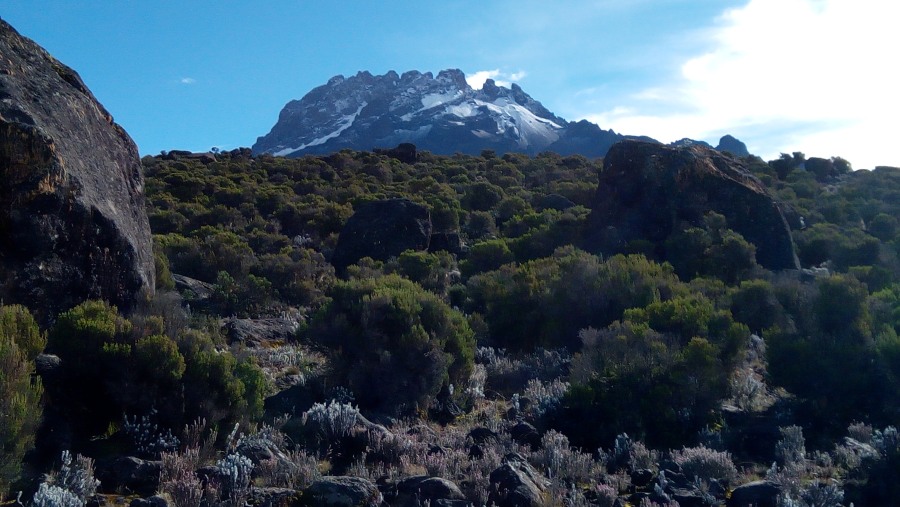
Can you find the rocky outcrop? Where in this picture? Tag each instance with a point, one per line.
(730, 144)
(424, 490)
(517, 484)
(72, 219)
(647, 191)
(381, 230)
(257, 332)
(332, 491)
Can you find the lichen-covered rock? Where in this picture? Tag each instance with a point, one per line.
(256, 332)
(381, 230)
(72, 217)
(647, 190)
(516, 483)
(333, 491)
(420, 490)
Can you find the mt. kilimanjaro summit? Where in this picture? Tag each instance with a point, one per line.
(440, 114)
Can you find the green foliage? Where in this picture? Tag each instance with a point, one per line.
(659, 373)
(486, 256)
(20, 395)
(393, 343)
(755, 304)
(830, 360)
(545, 302)
(712, 250)
(110, 367)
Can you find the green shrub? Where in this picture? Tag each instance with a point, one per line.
(20, 396)
(393, 343)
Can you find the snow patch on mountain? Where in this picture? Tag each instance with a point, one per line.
(343, 124)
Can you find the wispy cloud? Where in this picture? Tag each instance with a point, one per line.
(476, 80)
(187, 80)
(822, 67)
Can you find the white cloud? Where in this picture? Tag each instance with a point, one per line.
(823, 70)
(187, 80)
(476, 80)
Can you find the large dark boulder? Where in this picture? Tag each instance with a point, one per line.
(647, 190)
(129, 474)
(72, 219)
(420, 490)
(755, 494)
(260, 332)
(516, 483)
(381, 230)
(333, 491)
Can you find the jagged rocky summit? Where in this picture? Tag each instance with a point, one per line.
(72, 220)
(646, 190)
(441, 114)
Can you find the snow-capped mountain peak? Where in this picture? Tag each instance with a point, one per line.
(442, 114)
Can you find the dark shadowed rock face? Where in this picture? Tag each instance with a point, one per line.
(729, 144)
(381, 230)
(72, 218)
(647, 189)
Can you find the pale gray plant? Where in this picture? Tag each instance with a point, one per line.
(335, 419)
(235, 471)
(71, 486)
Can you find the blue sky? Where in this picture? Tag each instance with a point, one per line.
(783, 75)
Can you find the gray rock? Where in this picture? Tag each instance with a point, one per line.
(153, 501)
(381, 230)
(333, 491)
(47, 364)
(193, 290)
(517, 484)
(72, 210)
(415, 491)
(755, 494)
(526, 434)
(275, 497)
(258, 331)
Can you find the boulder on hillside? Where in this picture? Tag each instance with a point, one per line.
(331, 491)
(72, 217)
(256, 332)
(381, 230)
(516, 483)
(647, 190)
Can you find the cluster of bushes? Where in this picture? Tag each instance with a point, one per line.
(651, 342)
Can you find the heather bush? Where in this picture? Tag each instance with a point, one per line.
(706, 464)
(178, 477)
(20, 395)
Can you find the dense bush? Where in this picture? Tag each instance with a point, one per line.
(393, 343)
(545, 302)
(111, 367)
(20, 395)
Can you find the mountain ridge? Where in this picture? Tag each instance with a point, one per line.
(442, 114)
